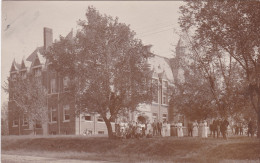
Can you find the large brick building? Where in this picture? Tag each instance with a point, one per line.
(62, 118)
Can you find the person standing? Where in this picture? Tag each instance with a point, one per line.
(179, 130)
(250, 128)
(204, 129)
(195, 129)
(154, 125)
(224, 127)
(190, 129)
(164, 129)
(168, 129)
(159, 128)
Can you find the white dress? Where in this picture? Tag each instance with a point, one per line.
(164, 128)
(195, 129)
(168, 132)
(204, 130)
(180, 130)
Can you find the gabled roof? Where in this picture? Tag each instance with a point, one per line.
(15, 66)
(161, 65)
(32, 56)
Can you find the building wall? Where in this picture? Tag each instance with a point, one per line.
(93, 125)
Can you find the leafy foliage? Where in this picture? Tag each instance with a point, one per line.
(108, 66)
(227, 28)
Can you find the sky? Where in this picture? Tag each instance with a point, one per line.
(155, 23)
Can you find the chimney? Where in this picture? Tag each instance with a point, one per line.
(47, 36)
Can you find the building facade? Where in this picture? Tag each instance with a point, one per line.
(62, 118)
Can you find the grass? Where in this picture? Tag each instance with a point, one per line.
(169, 149)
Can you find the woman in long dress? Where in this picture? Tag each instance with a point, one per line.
(168, 130)
(164, 128)
(195, 129)
(180, 130)
(204, 130)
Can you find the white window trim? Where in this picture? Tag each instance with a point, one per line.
(163, 88)
(158, 100)
(64, 79)
(14, 124)
(87, 120)
(53, 91)
(100, 121)
(65, 108)
(51, 115)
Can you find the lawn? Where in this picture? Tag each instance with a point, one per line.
(169, 149)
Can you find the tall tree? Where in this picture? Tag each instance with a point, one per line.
(229, 27)
(111, 71)
(29, 97)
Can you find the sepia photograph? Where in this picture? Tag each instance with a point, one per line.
(130, 81)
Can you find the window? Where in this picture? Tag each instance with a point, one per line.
(164, 117)
(25, 120)
(100, 119)
(65, 82)
(53, 115)
(13, 76)
(164, 93)
(38, 124)
(53, 85)
(87, 118)
(37, 72)
(155, 90)
(15, 123)
(101, 132)
(154, 116)
(23, 74)
(66, 115)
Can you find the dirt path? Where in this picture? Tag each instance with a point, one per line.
(34, 159)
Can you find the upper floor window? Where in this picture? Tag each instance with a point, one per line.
(37, 72)
(13, 76)
(87, 118)
(165, 92)
(53, 85)
(65, 82)
(23, 74)
(100, 119)
(155, 92)
(66, 115)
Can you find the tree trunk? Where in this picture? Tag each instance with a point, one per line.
(109, 128)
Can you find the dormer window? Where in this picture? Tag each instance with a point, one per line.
(13, 76)
(23, 74)
(37, 72)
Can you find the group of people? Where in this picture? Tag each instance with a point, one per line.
(239, 128)
(219, 127)
(141, 130)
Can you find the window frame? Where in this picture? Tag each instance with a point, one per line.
(53, 109)
(53, 86)
(24, 115)
(15, 125)
(66, 108)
